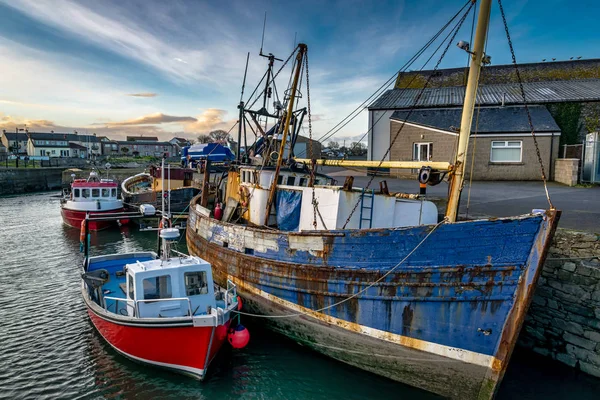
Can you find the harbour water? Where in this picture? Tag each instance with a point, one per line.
(49, 349)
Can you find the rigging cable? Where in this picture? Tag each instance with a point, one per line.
(411, 110)
(396, 74)
(537, 148)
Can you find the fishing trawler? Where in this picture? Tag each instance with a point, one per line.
(372, 278)
(92, 195)
(146, 188)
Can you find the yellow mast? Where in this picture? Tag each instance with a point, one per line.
(288, 117)
(469, 106)
(439, 165)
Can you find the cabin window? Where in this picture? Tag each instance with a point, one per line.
(85, 193)
(114, 192)
(279, 179)
(95, 192)
(195, 283)
(302, 181)
(130, 291)
(76, 193)
(291, 180)
(105, 192)
(506, 151)
(158, 287)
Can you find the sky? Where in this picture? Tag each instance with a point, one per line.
(175, 68)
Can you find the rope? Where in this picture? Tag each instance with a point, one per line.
(315, 204)
(357, 293)
(416, 101)
(537, 148)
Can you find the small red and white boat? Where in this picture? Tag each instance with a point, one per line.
(94, 195)
(166, 312)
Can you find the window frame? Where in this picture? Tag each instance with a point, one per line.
(157, 285)
(105, 192)
(202, 289)
(76, 192)
(97, 195)
(504, 147)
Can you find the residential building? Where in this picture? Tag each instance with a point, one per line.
(90, 142)
(436, 115)
(77, 150)
(179, 143)
(10, 140)
(48, 145)
(147, 148)
(108, 146)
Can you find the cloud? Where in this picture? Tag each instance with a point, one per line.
(157, 118)
(180, 60)
(209, 120)
(145, 94)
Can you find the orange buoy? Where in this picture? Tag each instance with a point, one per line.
(239, 337)
(82, 231)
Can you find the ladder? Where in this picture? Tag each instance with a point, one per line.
(367, 199)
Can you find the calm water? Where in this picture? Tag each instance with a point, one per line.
(49, 349)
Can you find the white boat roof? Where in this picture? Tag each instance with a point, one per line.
(190, 263)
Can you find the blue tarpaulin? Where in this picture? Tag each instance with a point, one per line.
(289, 203)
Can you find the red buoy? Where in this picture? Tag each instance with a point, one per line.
(218, 212)
(239, 337)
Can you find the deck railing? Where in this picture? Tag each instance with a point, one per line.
(136, 308)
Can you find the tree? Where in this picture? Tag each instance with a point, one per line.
(333, 145)
(592, 118)
(358, 149)
(191, 142)
(218, 135)
(204, 139)
(568, 119)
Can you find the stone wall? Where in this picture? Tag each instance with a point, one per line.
(564, 319)
(26, 180)
(566, 171)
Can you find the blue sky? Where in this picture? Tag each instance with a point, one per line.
(175, 67)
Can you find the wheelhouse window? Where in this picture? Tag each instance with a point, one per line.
(95, 192)
(105, 192)
(85, 193)
(130, 290)
(113, 191)
(195, 283)
(291, 180)
(302, 182)
(158, 287)
(76, 193)
(506, 151)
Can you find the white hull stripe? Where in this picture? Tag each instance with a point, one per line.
(190, 370)
(454, 353)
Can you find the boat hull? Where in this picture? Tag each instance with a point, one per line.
(445, 321)
(73, 219)
(184, 349)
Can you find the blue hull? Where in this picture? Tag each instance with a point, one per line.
(456, 304)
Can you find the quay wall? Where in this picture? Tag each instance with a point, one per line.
(563, 322)
(26, 180)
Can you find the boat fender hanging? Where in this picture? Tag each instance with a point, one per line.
(239, 337)
(82, 232)
(218, 212)
(239, 301)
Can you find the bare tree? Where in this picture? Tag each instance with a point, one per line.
(333, 145)
(218, 135)
(204, 139)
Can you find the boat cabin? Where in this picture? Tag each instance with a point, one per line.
(179, 177)
(82, 190)
(176, 287)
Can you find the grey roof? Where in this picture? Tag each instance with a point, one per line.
(70, 137)
(21, 137)
(491, 119)
(535, 92)
(76, 146)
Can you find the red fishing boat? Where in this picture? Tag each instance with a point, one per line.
(92, 195)
(165, 312)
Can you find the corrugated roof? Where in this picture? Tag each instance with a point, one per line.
(535, 93)
(491, 119)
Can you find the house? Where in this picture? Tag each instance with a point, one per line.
(500, 138)
(423, 139)
(48, 145)
(77, 150)
(180, 143)
(90, 142)
(108, 146)
(12, 140)
(147, 148)
(142, 139)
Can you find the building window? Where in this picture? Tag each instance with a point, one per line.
(422, 151)
(53, 151)
(96, 193)
(506, 151)
(157, 288)
(195, 283)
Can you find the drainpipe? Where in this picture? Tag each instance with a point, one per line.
(503, 98)
(551, 152)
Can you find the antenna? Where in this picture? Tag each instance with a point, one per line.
(245, 72)
(263, 34)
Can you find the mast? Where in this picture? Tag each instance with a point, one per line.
(284, 132)
(469, 106)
